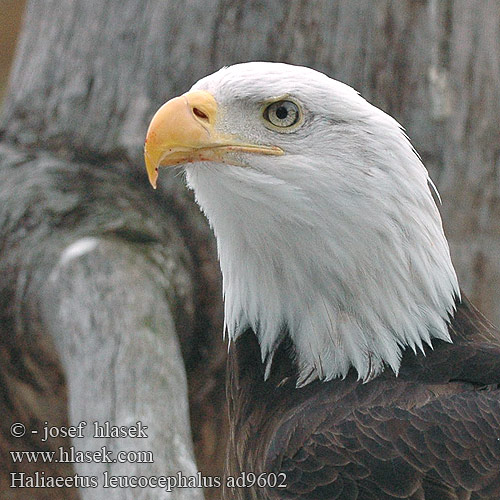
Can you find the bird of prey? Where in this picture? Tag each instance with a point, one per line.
(356, 369)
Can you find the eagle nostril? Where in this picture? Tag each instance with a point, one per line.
(200, 114)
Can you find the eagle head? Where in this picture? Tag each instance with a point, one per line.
(327, 230)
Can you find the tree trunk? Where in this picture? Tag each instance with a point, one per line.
(104, 281)
(114, 275)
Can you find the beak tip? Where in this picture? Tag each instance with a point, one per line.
(153, 178)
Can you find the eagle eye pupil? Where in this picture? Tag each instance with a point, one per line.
(281, 112)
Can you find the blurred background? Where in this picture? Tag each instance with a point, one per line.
(11, 13)
(110, 302)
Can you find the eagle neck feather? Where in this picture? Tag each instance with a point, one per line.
(350, 259)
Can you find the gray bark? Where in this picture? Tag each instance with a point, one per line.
(121, 356)
(94, 265)
(107, 281)
(88, 76)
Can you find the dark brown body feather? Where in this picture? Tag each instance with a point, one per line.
(431, 433)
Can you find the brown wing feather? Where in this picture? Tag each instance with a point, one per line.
(448, 448)
(432, 433)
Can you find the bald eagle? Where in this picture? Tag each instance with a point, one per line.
(357, 369)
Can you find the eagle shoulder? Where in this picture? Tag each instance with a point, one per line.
(432, 432)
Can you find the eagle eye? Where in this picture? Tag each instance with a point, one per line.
(282, 114)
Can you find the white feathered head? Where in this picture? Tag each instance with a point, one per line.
(325, 222)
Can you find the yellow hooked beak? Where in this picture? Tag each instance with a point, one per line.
(183, 131)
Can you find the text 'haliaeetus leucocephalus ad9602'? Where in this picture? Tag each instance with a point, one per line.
(355, 367)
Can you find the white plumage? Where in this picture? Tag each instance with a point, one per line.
(338, 241)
